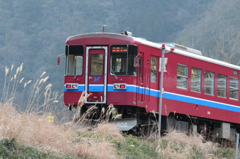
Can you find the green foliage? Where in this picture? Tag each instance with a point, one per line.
(10, 149)
(132, 148)
(226, 153)
(135, 148)
(215, 32)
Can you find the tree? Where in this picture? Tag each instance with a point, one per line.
(216, 34)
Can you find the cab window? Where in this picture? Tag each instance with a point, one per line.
(74, 60)
(122, 60)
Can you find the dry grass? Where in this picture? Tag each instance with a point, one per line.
(32, 130)
(34, 96)
(109, 129)
(179, 145)
(98, 149)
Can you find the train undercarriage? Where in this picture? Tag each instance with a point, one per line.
(137, 121)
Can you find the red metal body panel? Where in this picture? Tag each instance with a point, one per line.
(170, 82)
(196, 109)
(72, 97)
(150, 102)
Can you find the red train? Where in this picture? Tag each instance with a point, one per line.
(200, 94)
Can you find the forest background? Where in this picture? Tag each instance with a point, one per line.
(33, 33)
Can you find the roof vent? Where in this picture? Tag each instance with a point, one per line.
(184, 48)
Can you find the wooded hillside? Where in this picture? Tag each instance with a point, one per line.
(33, 32)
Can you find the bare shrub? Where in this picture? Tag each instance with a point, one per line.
(179, 145)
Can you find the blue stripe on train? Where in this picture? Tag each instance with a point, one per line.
(155, 93)
(200, 101)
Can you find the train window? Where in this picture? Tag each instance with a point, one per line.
(153, 70)
(74, 63)
(122, 60)
(131, 69)
(209, 82)
(96, 64)
(78, 65)
(233, 88)
(196, 80)
(182, 76)
(119, 64)
(222, 85)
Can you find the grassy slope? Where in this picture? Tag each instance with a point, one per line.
(31, 136)
(132, 148)
(10, 149)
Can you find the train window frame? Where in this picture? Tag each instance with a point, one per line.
(74, 60)
(223, 91)
(209, 90)
(197, 76)
(183, 76)
(234, 88)
(126, 59)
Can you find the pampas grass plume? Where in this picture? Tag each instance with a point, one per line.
(6, 70)
(26, 83)
(43, 74)
(12, 67)
(21, 80)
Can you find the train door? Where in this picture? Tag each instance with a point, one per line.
(96, 74)
(140, 79)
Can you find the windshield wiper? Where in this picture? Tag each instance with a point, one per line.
(112, 72)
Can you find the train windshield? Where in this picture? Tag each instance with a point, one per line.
(122, 60)
(74, 63)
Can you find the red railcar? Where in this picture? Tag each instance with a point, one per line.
(200, 94)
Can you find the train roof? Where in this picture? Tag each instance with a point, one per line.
(178, 49)
(102, 35)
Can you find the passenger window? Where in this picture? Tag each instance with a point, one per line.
(196, 80)
(209, 82)
(233, 88)
(222, 85)
(182, 76)
(153, 70)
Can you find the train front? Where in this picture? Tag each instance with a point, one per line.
(100, 77)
